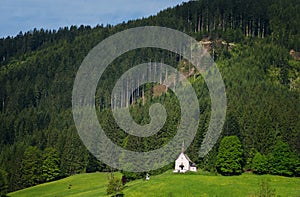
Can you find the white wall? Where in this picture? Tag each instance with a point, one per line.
(193, 169)
(182, 160)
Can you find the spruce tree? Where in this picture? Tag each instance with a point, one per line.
(229, 158)
(50, 165)
(260, 164)
(31, 167)
(3, 183)
(282, 160)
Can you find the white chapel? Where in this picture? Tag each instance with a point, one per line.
(183, 163)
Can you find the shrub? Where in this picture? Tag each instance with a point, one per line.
(115, 186)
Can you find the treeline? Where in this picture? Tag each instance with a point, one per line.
(280, 161)
(234, 19)
(14, 47)
(38, 138)
(231, 20)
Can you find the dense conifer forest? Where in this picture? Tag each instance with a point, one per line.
(251, 42)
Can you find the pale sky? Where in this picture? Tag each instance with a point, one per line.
(25, 15)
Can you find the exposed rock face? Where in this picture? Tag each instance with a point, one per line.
(210, 44)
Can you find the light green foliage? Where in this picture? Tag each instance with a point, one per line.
(114, 187)
(50, 165)
(260, 164)
(229, 158)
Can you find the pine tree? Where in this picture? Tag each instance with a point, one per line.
(74, 154)
(250, 156)
(260, 164)
(229, 158)
(3, 183)
(282, 160)
(31, 167)
(50, 165)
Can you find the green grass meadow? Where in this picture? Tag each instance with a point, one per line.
(170, 184)
(92, 184)
(167, 184)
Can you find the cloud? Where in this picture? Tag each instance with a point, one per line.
(24, 15)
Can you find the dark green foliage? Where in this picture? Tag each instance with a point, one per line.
(297, 169)
(74, 156)
(284, 30)
(94, 165)
(260, 164)
(209, 161)
(282, 160)
(249, 161)
(229, 158)
(130, 176)
(231, 125)
(3, 183)
(31, 166)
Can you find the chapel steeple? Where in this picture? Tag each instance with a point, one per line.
(182, 147)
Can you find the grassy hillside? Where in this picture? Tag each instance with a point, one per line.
(93, 184)
(167, 184)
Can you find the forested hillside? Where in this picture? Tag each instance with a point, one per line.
(249, 40)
